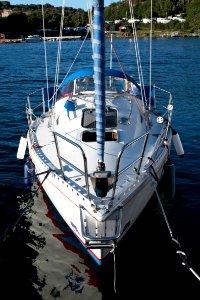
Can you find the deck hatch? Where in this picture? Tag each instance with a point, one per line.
(90, 136)
(89, 118)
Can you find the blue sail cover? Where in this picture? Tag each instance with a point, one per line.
(90, 72)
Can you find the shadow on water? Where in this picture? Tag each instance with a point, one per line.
(40, 256)
(15, 255)
(147, 264)
(42, 259)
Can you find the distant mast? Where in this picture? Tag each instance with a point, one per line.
(99, 78)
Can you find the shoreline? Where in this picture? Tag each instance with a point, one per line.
(122, 35)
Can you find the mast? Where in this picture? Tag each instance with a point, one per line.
(99, 79)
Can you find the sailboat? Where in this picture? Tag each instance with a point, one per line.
(99, 146)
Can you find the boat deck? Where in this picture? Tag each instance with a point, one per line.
(69, 126)
(65, 128)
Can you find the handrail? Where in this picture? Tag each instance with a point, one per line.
(145, 135)
(117, 172)
(120, 155)
(83, 155)
(58, 153)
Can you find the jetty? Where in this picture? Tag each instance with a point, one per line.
(48, 38)
(66, 37)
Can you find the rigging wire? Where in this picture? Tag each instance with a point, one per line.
(69, 70)
(123, 71)
(150, 57)
(75, 58)
(140, 73)
(89, 6)
(59, 50)
(56, 85)
(45, 54)
(111, 51)
(117, 56)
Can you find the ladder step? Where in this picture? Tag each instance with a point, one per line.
(98, 232)
(99, 246)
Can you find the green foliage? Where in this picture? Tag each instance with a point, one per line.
(193, 14)
(16, 23)
(161, 8)
(27, 19)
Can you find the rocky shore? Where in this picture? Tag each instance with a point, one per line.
(9, 41)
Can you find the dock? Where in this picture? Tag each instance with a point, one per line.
(66, 37)
(47, 38)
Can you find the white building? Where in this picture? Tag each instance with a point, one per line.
(163, 20)
(133, 20)
(178, 19)
(118, 21)
(146, 20)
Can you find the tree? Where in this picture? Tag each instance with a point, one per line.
(34, 21)
(17, 24)
(193, 14)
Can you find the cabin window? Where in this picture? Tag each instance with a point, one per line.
(115, 84)
(84, 84)
(89, 118)
(66, 90)
(90, 136)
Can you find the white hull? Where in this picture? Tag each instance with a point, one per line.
(33, 39)
(99, 142)
(67, 200)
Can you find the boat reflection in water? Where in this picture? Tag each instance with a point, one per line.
(63, 267)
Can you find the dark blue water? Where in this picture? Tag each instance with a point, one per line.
(39, 257)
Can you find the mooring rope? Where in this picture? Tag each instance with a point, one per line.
(114, 269)
(30, 194)
(12, 228)
(176, 243)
